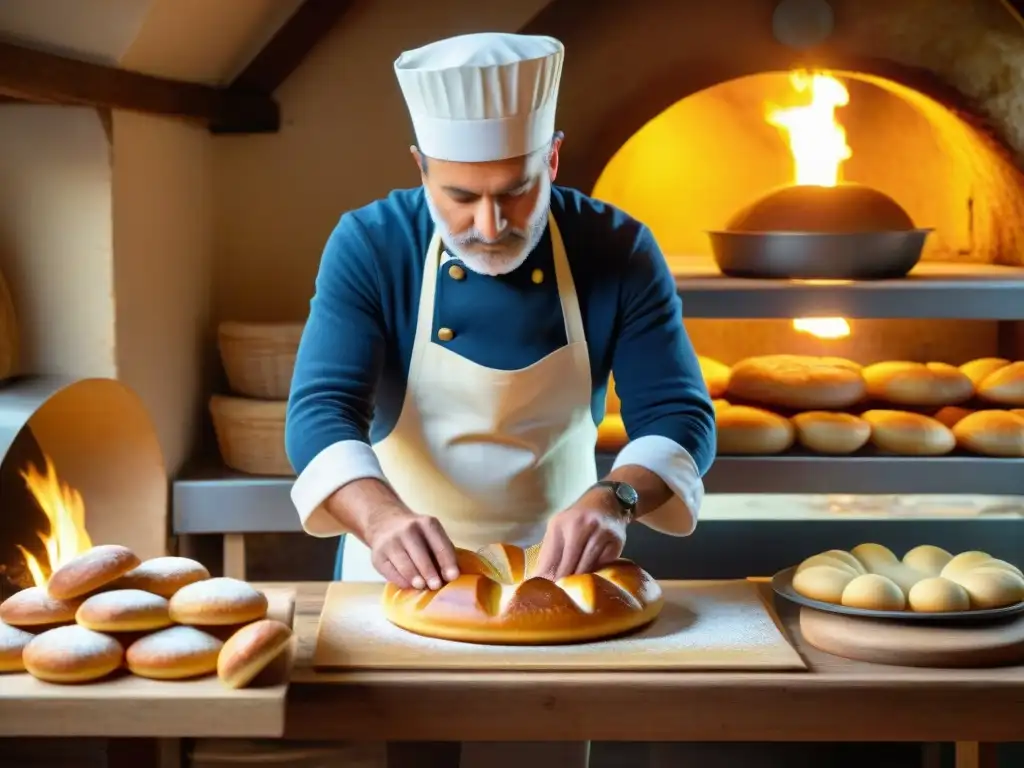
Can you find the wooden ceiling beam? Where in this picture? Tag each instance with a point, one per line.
(35, 76)
(293, 41)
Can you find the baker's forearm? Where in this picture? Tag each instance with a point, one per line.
(359, 504)
(652, 490)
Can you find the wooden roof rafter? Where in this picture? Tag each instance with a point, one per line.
(246, 105)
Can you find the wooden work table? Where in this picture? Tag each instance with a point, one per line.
(835, 700)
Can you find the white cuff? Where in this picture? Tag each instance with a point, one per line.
(673, 464)
(335, 466)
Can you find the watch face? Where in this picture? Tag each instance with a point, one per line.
(627, 495)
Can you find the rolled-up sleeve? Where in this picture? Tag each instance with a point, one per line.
(337, 368)
(666, 408)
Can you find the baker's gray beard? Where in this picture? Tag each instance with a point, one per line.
(517, 243)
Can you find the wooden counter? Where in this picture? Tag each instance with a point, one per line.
(836, 700)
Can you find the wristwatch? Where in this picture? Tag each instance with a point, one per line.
(625, 495)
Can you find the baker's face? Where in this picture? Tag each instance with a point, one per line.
(491, 215)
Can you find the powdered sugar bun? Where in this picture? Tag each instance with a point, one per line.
(251, 650)
(163, 575)
(72, 654)
(12, 644)
(124, 610)
(217, 602)
(175, 653)
(91, 570)
(33, 607)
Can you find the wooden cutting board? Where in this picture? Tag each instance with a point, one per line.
(127, 706)
(883, 641)
(705, 625)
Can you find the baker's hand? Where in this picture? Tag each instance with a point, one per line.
(582, 538)
(411, 550)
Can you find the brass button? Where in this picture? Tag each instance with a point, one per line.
(537, 276)
(445, 334)
(456, 272)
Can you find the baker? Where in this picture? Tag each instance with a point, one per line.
(456, 358)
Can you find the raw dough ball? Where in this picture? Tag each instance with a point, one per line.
(823, 582)
(835, 558)
(12, 645)
(928, 559)
(91, 570)
(874, 592)
(992, 587)
(871, 555)
(72, 654)
(163, 575)
(124, 610)
(938, 595)
(964, 562)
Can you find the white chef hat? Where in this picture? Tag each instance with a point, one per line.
(480, 97)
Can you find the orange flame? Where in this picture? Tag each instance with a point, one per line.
(65, 511)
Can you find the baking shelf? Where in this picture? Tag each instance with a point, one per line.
(213, 499)
(983, 292)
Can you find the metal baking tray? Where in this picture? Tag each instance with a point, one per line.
(782, 584)
(818, 255)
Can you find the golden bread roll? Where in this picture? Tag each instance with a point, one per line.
(72, 654)
(909, 434)
(917, 384)
(91, 570)
(996, 380)
(715, 374)
(719, 404)
(745, 430)
(951, 415)
(799, 382)
(611, 402)
(33, 607)
(831, 432)
(991, 433)
(251, 650)
(927, 579)
(611, 433)
(175, 653)
(124, 610)
(163, 575)
(217, 602)
(494, 601)
(12, 645)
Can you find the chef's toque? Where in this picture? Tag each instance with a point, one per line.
(482, 97)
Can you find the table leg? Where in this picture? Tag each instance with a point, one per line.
(234, 555)
(974, 754)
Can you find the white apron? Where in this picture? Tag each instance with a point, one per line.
(491, 454)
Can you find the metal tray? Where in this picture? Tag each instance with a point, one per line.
(782, 584)
(818, 255)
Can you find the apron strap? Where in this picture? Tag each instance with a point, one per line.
(566, 287)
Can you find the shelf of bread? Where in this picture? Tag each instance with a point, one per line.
(829, 425)
(983, 292)
(160, 644)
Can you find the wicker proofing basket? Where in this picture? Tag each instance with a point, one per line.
(258, 358)
(250, 434)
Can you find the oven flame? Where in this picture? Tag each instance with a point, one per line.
(823, 327)
(816, 139)
(64, 508)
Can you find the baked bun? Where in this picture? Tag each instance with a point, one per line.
(611, 433)
(797, 382)
(951, 415)
(72, 654)
(991, 433)
(33, 607)
(494, 601)
(251, 650)
(917, 384)
(830, 432)
(720, 405)
(745, 430)
(175, 653)
(163, 575)
(909, 434)
(91, 570)
(927, 580)
(997, 380)
(124, 610)
(715, 375)
(12, 645)
(217, 602)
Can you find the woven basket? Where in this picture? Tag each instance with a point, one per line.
(259, 358)
(250, 434)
